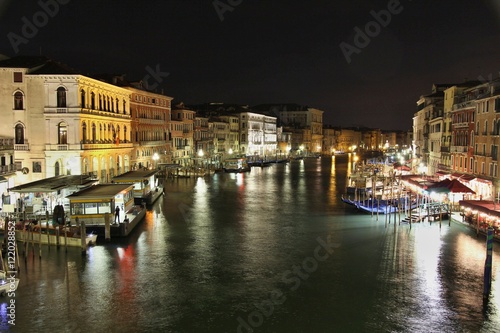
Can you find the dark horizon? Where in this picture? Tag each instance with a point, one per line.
(364, 64)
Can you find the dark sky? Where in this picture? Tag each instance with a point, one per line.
(266, 51)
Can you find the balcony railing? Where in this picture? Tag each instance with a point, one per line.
(22, 147)
(6, 169)
(460, 125)
(463, 105)
(105, 113)
(6, 144)
(93, 146)
(62, 147)
(458, 149)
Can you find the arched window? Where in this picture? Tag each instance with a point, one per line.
(18, 101)
(472, 138)
(94, 133)
(19, 134)
(117, 106)
(124, 107)
(84, 133)
(84, 102)
(62, 134)
(92, 100)
(100, 102)
(61, 97)
(125, 133)
(485, 127)
(57, 169)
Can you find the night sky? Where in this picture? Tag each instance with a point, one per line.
(255, 52)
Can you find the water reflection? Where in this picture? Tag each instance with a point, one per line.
(213, 248)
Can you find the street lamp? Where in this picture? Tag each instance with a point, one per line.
(422, 169)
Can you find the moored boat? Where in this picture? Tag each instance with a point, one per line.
(236, 165)
(7, 284)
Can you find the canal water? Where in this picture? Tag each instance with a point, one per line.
(273, 250)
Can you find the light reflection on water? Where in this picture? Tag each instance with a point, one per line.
(213, 250)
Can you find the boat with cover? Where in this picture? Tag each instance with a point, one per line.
(236, 165)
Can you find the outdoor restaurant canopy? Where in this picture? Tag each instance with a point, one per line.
(484, 206)
(453, 186)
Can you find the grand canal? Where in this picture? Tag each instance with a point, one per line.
(273, 250)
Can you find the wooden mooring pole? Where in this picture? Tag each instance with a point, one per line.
(488, 264)
(47, 228)
(83, 236)
(107, 230)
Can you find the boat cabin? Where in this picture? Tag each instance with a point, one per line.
(95, 203)
(41, 196)
(144, 182)
(236, 165)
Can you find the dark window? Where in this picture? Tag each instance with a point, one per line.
(61, 97)
(84, 104)
(37, 167)
(84, 133)
(18, 101)
(18, 77)
(19, 134)
(94, 136)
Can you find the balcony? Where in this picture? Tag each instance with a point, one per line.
(22, 147)
(460, 125)
(459, 149)
(99, 146)
(6, 169)
(6, 144)
(62, 147)
(445, 149)
(104, 113)
(463, 105)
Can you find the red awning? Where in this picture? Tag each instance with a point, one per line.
(485, 206)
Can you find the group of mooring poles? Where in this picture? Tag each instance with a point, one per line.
(33, 235)
(425, 200)
(396, 205)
